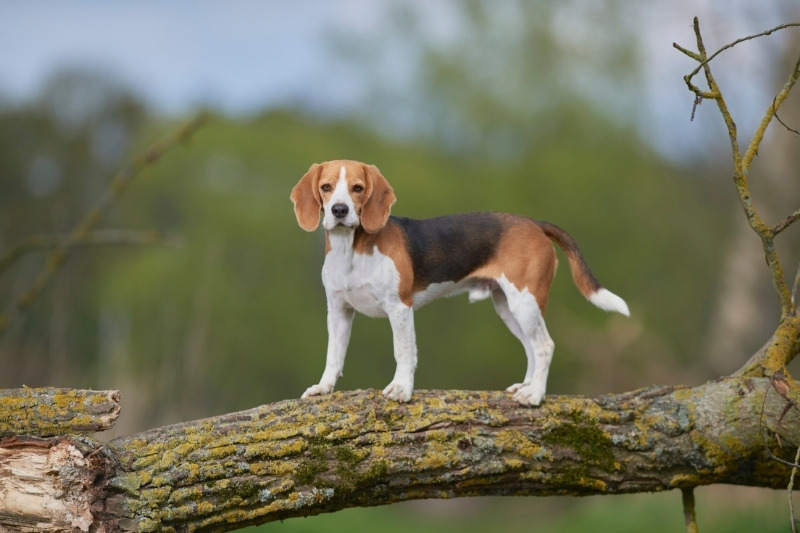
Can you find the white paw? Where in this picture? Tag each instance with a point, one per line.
(516, 386)
(398, 391)
(318, 390)
(529, 394)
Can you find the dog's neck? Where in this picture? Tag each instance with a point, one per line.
(344, 242)
(339, 241)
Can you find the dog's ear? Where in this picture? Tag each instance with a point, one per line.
(380, 198)
(307, 203)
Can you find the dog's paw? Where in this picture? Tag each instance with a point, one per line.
(528, 394)
(398, 392)
(318, 390)
(516, 386)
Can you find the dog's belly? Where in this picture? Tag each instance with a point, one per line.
(478, 289)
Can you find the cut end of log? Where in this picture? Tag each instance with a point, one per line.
(44, 486)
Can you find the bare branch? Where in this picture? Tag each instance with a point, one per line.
(697, 101)
(82, 230)
(752, 149)
(703, 60)
(109, 237)
(741, 162)
(775, 112)
(777, 352)
(785, 223)
(789, 490)
(689, 513)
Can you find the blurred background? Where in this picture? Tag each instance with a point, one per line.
(572, 111)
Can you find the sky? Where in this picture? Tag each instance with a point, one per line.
(239, 55)
(243, 56)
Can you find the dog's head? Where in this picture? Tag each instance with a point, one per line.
(347, 193)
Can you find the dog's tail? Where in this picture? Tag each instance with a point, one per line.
(584, 279)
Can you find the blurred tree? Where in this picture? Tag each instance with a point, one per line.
(57, 154)
(498, 78)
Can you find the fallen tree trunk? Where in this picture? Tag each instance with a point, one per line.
(303, 457)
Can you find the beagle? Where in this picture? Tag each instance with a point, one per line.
(388, 266)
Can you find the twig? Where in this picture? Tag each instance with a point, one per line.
(785, 223)
(779, 384)
(752, 150)
(96, 238)
(794, 288)
(790, 488)
(775, 112)
(708, 59)
(697, 101)
(689, 514)
(80, 233)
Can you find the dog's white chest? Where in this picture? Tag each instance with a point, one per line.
(366, 282)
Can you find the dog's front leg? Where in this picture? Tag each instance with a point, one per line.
(401, 317)
(340, 323)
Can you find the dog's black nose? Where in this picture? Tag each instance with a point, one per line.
(339, 210)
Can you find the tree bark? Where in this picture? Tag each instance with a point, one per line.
(304, 457)
(48, 412)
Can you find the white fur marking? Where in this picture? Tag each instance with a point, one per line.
(520, 311)
(366, 283)
(608, 301)
(481, 290)
(341, 195)
(477, 289)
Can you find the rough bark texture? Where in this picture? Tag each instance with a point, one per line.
(48, 412)
(303, 457)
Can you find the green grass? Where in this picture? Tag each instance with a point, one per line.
(728, 509)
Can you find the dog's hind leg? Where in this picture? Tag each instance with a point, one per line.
(501, 307)
(527, 325)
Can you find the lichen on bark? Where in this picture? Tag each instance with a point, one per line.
(303, 457)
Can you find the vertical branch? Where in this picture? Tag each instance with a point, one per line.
(741, 162)
(768, 234)
(790, 488)
(689, 515)
(741, 167)
(769, 114)
(716, 95)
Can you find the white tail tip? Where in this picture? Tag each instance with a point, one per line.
(608, 301)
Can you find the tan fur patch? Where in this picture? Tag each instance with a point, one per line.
(391, 243)
(527, 258)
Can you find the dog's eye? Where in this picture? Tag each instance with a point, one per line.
(326, 188)
(358, 188)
